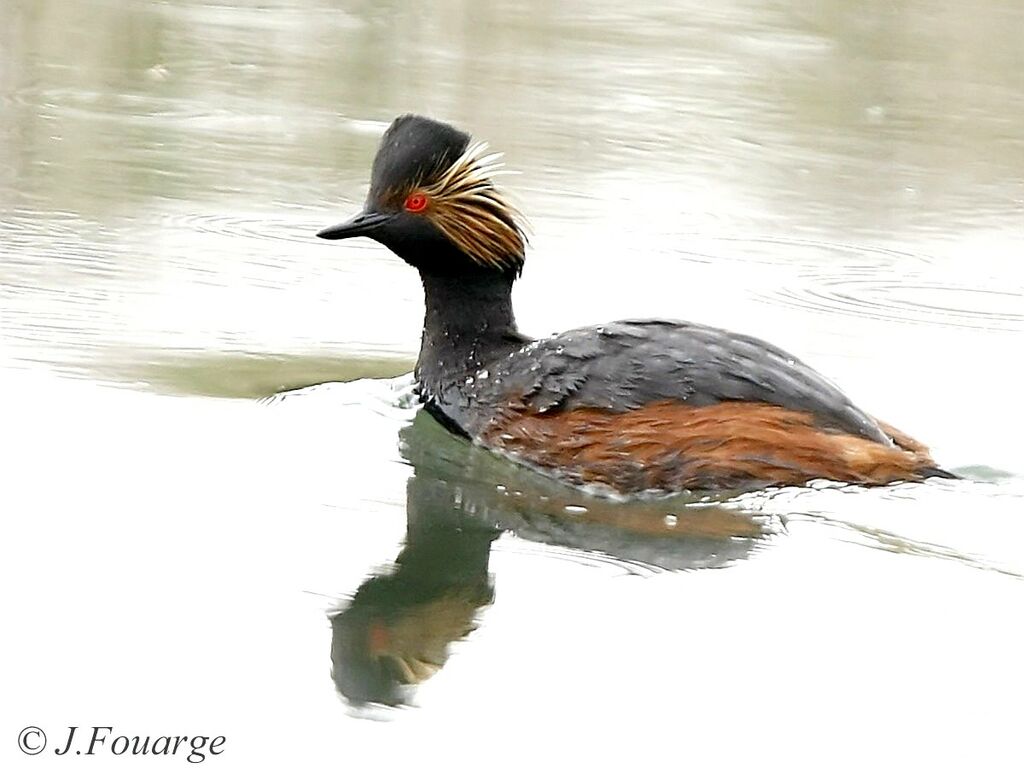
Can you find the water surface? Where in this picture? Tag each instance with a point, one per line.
(183, 555)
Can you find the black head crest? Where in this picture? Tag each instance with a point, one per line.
(414, 149)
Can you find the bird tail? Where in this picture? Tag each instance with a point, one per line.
(926, 464)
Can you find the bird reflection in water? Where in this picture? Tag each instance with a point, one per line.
(396, 631)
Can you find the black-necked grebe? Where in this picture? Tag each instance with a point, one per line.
(633, 405)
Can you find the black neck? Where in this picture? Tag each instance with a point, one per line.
(468, 323)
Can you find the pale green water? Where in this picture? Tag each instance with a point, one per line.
(845, 180)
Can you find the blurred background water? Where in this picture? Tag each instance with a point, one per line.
(844, 180)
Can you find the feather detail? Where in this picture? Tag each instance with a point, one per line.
(465, 205)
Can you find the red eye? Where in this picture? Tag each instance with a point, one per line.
(415, 202)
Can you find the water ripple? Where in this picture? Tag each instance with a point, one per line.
(960, 513)
(267, 228)
(927, 303)
(806, 253)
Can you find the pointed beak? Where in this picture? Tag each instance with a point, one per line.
(365, 223)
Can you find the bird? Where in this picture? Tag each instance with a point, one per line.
(628, 407)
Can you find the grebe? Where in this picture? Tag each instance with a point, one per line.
(630, 406)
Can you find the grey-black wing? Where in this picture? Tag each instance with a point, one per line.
(624, 365)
